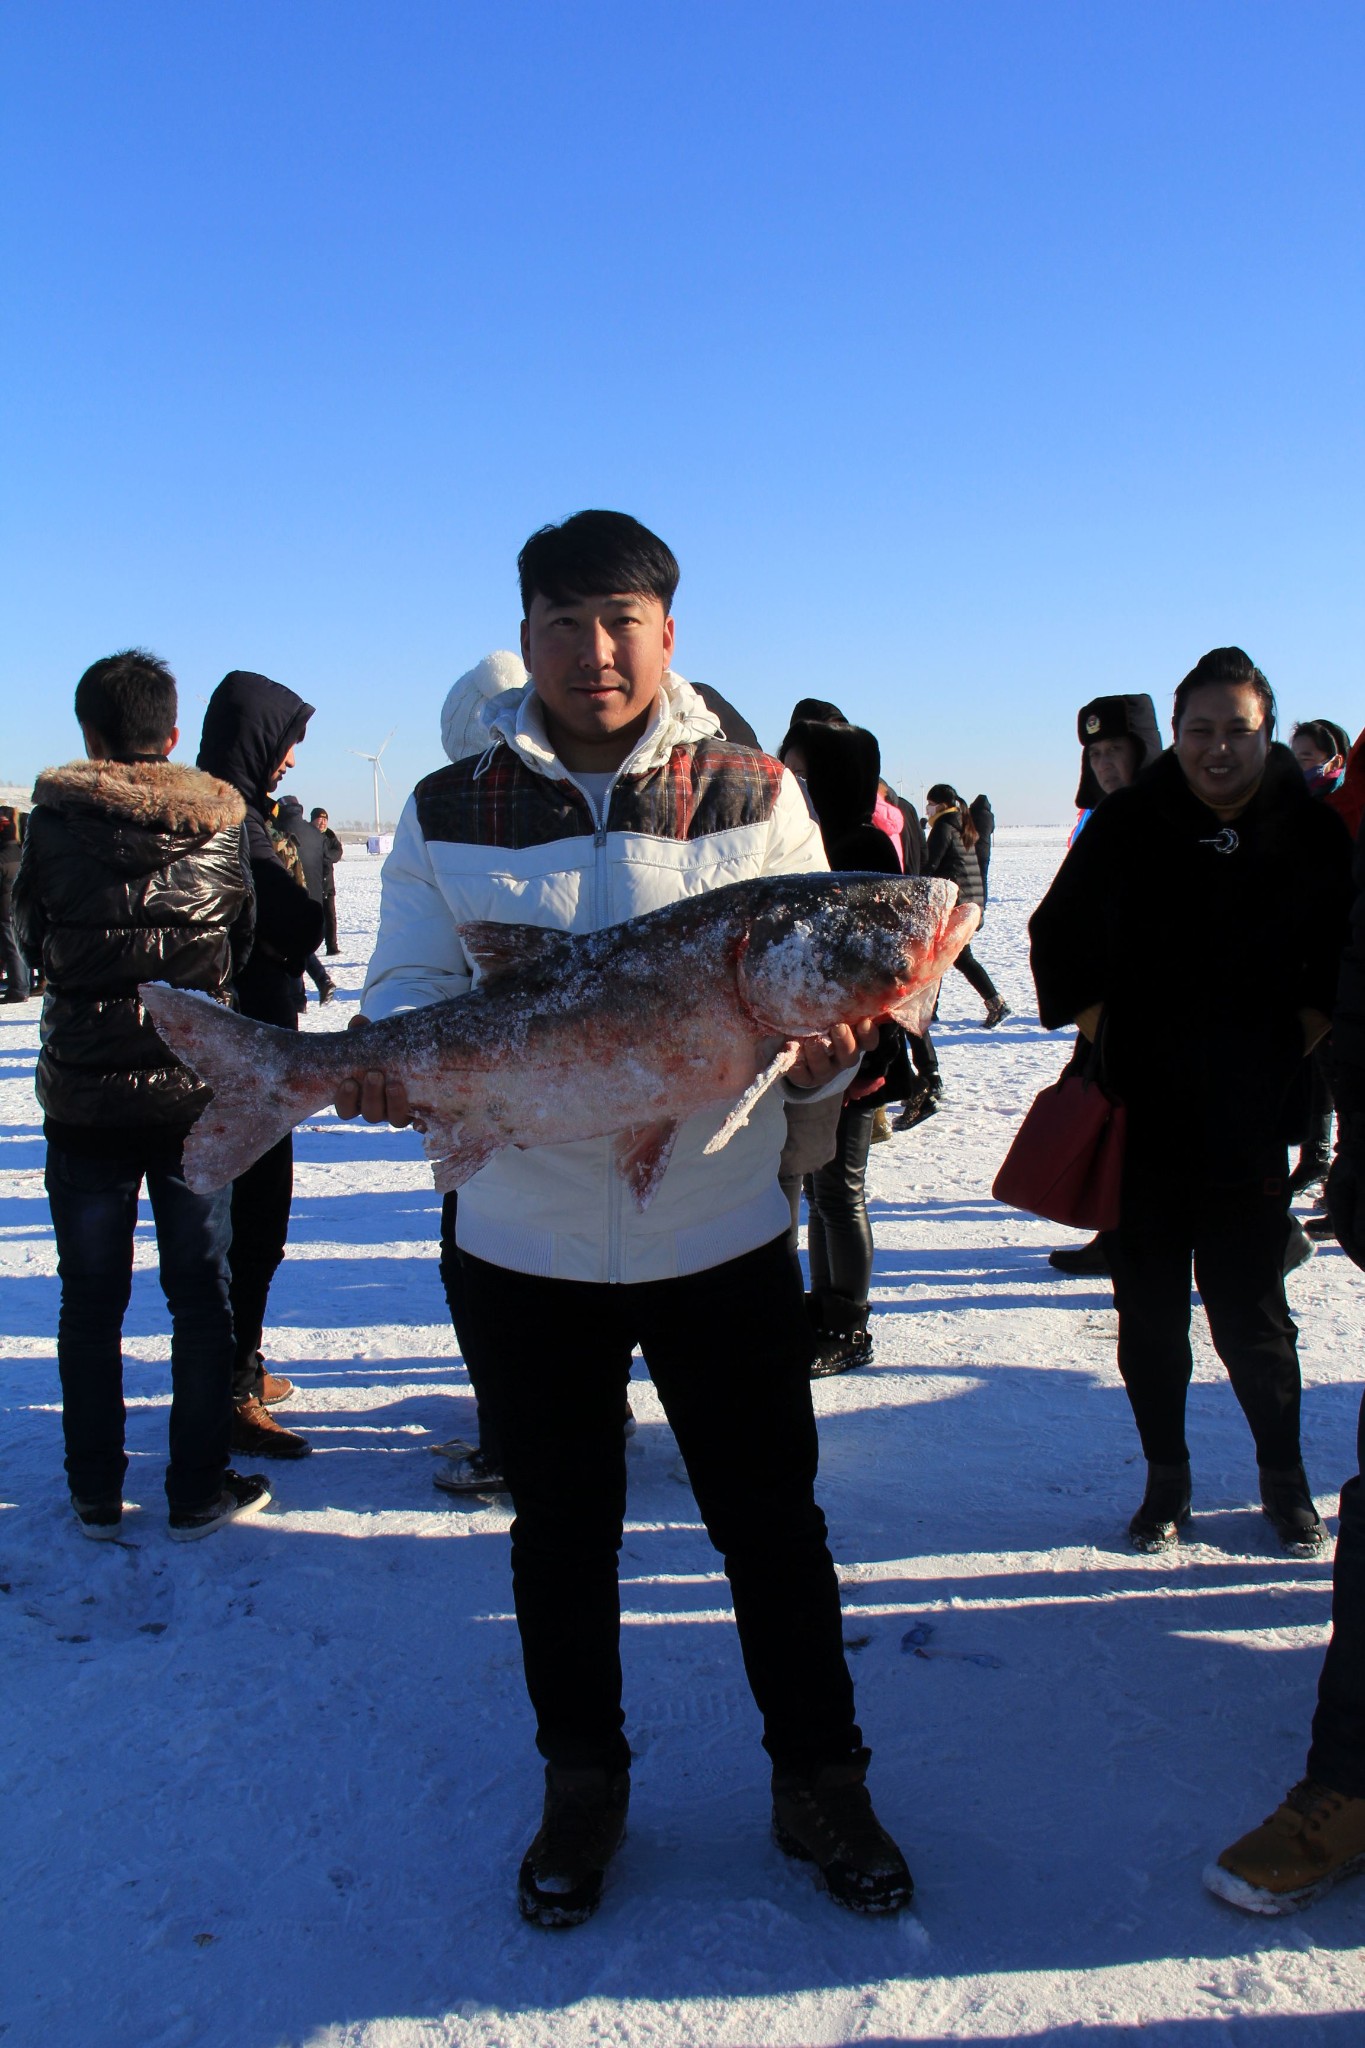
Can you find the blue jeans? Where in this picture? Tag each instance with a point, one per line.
(94, 1211)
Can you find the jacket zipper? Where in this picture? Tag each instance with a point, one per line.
(600, 907)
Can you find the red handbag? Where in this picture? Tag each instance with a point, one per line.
(1066, 1162)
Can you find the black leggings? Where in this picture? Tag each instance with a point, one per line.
(1237, 1244)
(838, 1234)
(972, 971)
(261, 1198)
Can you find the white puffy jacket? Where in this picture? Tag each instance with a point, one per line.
(509, 835)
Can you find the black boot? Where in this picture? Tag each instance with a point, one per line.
(1310, 1172)
(581, 1829)
(1288, 1503)
(1080, 1258)
(825, 1817)
(1165, 1506)
(841, 1335)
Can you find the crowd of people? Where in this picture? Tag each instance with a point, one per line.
(1194, 938)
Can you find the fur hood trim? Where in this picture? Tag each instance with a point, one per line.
(163, 796)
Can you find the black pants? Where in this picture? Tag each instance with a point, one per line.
(972, 971)
(260, 1226)
(838, 1234)
(1317, 1135)
(1337, 1755)
(12, 960)
(94, 1215)
(923, 1057)
(1237, 1242)
(452, 1279)
(729, 1351)
(329, 926)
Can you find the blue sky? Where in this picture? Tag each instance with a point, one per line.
(974, 359)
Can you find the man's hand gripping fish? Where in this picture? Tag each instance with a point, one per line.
(623, 1032)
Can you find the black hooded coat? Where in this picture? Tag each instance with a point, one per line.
(844, 769)
(1203, 940)
(249, 727)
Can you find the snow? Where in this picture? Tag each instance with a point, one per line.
(273, 1787)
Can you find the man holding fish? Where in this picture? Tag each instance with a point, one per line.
(598, 935)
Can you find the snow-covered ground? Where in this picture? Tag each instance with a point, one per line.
(273, 1787)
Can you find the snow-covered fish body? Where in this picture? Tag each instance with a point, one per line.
(626, 1031)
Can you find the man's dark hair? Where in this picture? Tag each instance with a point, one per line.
(129, 700)
(1224, 665)
(592, 555)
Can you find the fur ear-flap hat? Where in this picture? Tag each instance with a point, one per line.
(1114, 718)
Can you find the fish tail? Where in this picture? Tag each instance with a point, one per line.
(263, 1079)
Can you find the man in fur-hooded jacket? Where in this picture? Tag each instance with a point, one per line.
(605, 791)
(133, 870)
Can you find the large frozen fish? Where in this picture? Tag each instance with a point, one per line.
(565, 1035)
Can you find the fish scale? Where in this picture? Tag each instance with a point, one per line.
(621, 1033)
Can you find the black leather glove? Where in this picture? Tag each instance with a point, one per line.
(1346, 1187)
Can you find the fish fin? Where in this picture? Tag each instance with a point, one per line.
(456, 1156)
(642, 1153)
(915, 1007)
(739, 1115)
(263, 1079)
(499, 949)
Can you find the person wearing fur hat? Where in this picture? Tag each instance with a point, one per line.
(1118, 736)
(133, 870)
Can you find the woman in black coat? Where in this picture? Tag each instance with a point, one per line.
(1196, 925)
(952, 854)
(841, 768)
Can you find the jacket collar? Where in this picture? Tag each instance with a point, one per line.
(679, 717)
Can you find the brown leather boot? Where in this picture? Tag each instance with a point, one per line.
(255, 1429)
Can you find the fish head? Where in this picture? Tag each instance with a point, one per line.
(835, 948)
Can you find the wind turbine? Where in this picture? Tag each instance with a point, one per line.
(373, 760)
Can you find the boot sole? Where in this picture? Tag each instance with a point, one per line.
(235, 1514)
(558, 1909)
(1254, 1898)
(842, 1892)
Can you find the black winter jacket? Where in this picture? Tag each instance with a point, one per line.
(249, 727)
(948, 855)
(131, 871)
(9, 868)
(1203, 941)
(311, 844)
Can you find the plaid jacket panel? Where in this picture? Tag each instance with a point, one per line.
(707, 787)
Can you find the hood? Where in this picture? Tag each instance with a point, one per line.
(162, 796)
(289, 810)
(843, 768)
(678, 718)
(249, 727)
(464, 730)
(1115, 718)
(138, 816)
